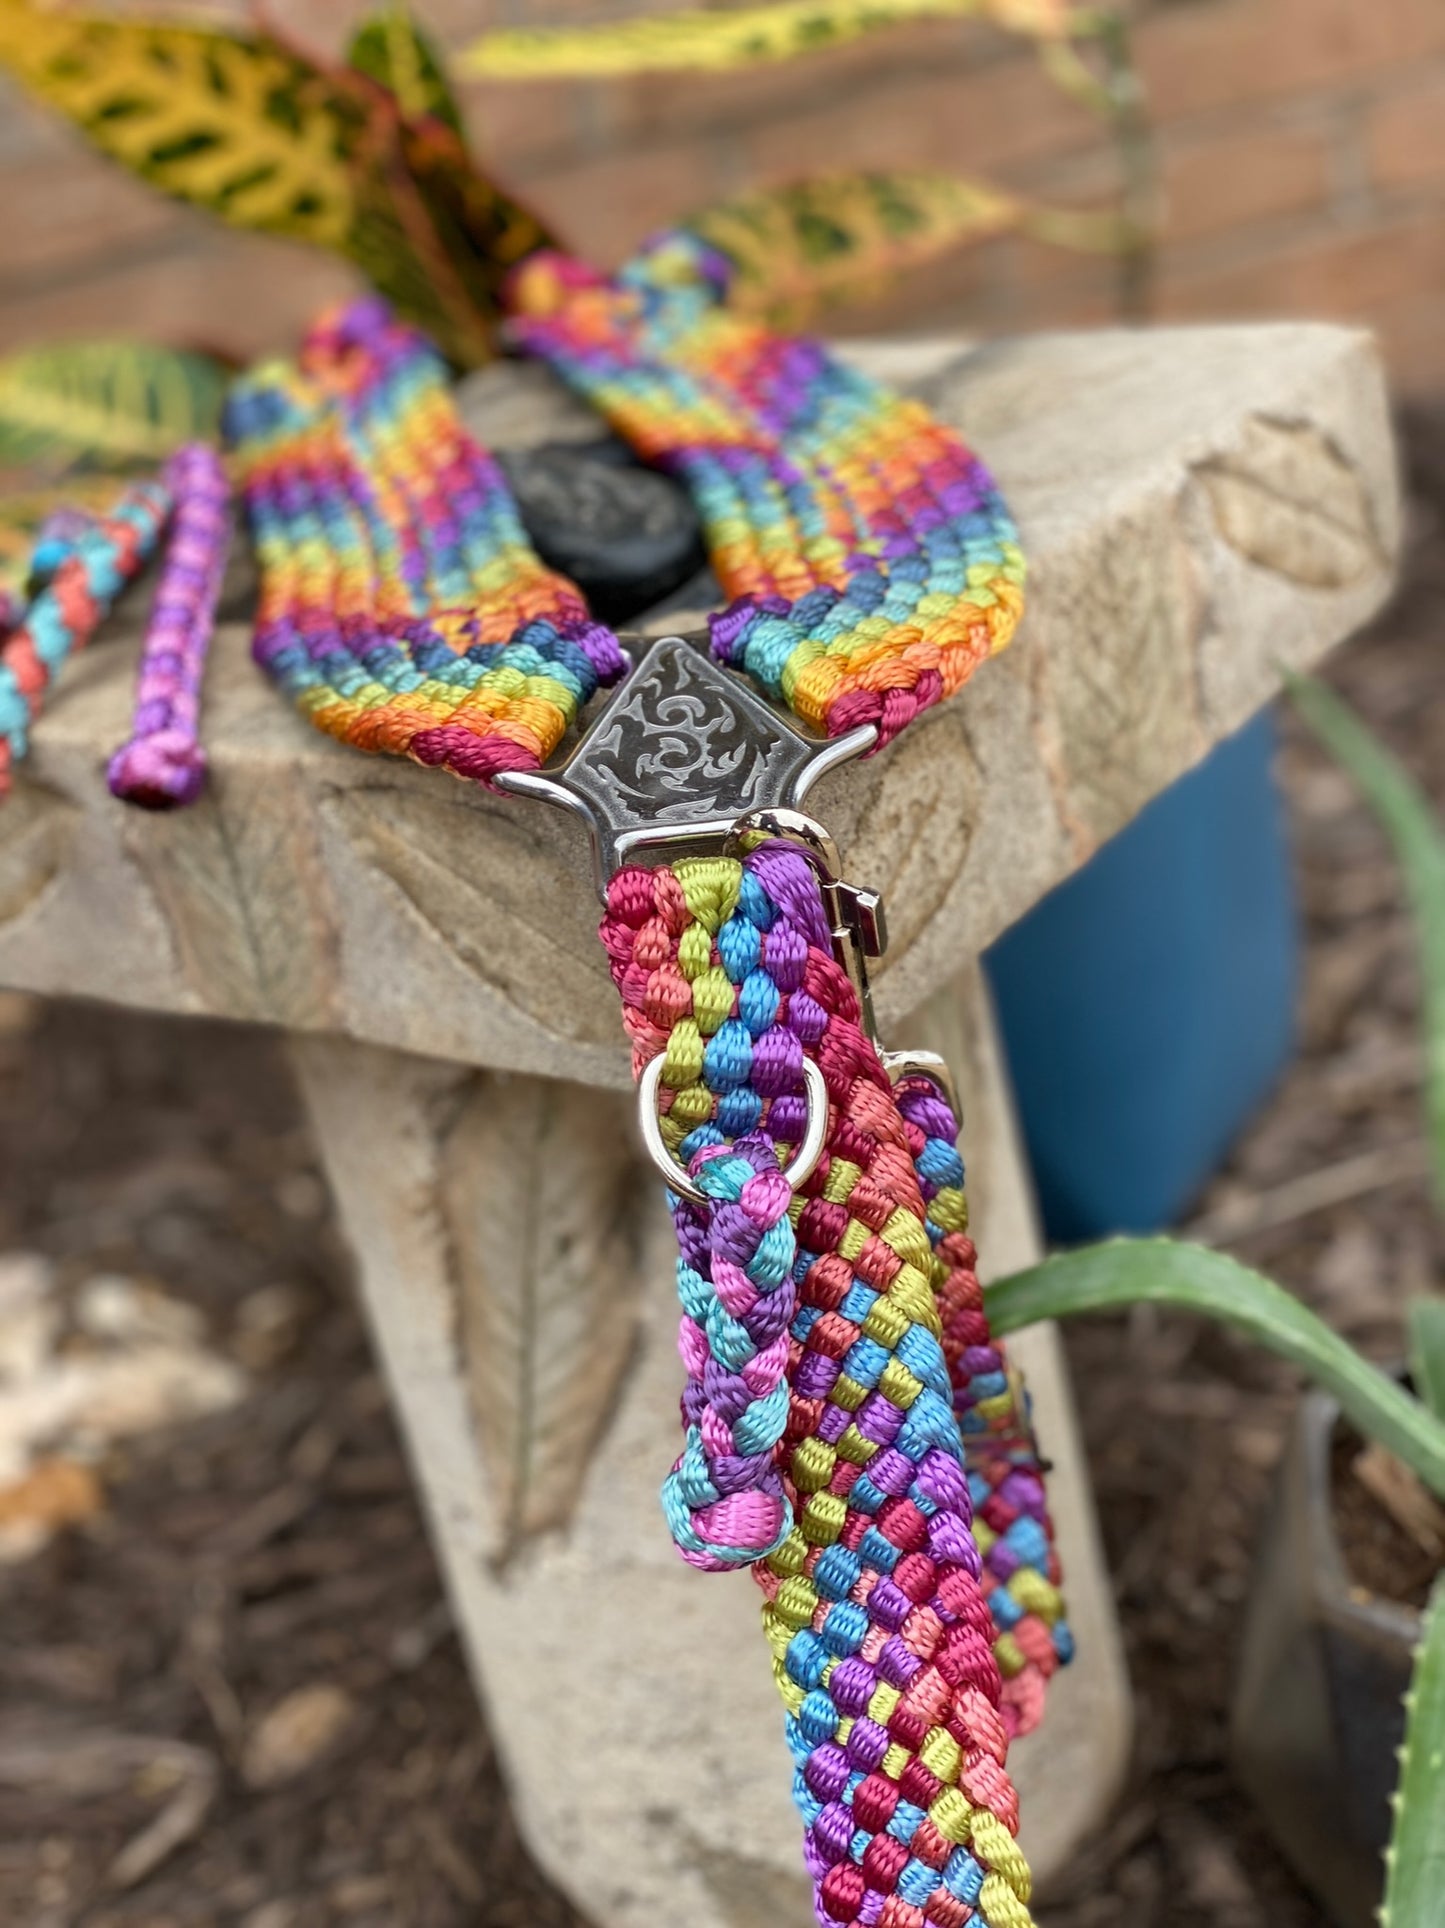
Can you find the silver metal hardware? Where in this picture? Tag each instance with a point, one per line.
(923, 1064)
(798, 1170)
(686, 754)
(856, 924)
(682, 749)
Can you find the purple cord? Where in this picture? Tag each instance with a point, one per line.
(163, 766)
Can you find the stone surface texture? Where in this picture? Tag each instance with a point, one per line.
(630, 1696)
(1199, 506)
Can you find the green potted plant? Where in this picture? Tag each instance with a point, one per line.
(1354, 1535)
(1334, 1620)
(1343, 1671)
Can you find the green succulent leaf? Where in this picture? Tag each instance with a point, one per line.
(1410, 821)
(1126, 1272)
(1426, 1321)
(106, 404)
(1415, 1858)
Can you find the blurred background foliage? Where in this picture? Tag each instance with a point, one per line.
(366, 156)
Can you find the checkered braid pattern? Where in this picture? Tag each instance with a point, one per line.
(1011, 1524)
(869, 561)
(832, 1344)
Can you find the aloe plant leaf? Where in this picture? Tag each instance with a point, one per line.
(1125, 1272)
(111, 404)
(1426, 1321)
(1413, 827)
(1415, 1858)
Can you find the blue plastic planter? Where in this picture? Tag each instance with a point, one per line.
(1147, 1005)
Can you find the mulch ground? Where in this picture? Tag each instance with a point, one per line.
(277, 1548)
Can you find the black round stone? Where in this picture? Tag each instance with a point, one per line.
(626, 536)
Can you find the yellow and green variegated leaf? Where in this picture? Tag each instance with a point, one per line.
(235, 124)
(390, 48)
(258, 133)
(104, 404)
(843, 237)
(737, 37)
(438, 238)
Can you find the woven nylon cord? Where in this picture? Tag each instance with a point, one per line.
(834, 1343)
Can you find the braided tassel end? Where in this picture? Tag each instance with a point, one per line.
(163, 766)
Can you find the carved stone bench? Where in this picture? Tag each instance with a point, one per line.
(1199, 507)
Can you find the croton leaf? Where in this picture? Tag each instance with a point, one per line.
(103, 404)
(264, 136)
(737, 37)
(235, 124)
(391, 48)
(840, 237)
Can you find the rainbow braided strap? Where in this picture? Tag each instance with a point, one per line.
(851, 1433)
(869, 558)
(83, 569)
(1020, 1571)
(827, 1341)
(401, 607)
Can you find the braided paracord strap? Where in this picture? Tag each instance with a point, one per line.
(724, 1500)
(1005, 1475)
(340, 461)
(401, 606)
(870, 562)
(403, 611)
(91, 565)
(837, 1468)
(163, 765)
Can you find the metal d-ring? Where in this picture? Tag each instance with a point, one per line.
(797, 1173)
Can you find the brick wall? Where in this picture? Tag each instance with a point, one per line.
(1302, 150)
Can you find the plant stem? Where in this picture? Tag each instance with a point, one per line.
(1117, 96)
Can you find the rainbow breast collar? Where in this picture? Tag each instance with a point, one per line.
(850, 1431)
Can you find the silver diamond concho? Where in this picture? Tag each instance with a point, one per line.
(682, 749)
